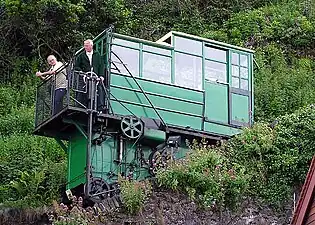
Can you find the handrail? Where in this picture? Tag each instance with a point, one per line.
(56, 72)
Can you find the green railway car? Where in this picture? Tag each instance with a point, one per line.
(158, 95)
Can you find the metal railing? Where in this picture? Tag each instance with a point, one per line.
(50, 102)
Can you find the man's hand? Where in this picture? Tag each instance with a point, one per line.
(39, 74)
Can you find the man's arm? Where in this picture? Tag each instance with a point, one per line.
(43, 75)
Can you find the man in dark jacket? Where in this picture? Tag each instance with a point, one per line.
(88, 61)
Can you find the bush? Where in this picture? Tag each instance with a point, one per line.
(19, 120)
(134, 194)
(282, 85)
(266, 162)
(7, 100)
(32, 170)
(276, 159)
(282, 35)
(35, 188)
(207, 176)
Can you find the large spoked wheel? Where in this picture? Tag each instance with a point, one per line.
(132, 127)
(98, 190)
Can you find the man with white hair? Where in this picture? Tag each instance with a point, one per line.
(57, 73)
(90, 60)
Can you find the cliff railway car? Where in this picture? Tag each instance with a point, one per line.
(157, 95)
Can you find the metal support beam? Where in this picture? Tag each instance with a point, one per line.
(69, 121)
(92, 105)
(62, 145)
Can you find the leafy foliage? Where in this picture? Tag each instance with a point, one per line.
(283, 37)
(29, 171)
(265, 161)
(276, 159)
(134, 194)
(207, 176)
(32, 169)
(282, 86)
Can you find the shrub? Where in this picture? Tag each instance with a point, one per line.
(208, 176)
(134, 194)
(32, 170)
(283, 84)
(20, 120)
(276, 159)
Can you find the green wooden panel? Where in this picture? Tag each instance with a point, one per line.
(240, 108)
(157, 101)
(76, 161)
(169, 117)
(221, 129)
(177, 106)
(216, 102)
(158, 88)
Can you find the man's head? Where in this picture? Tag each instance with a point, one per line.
(88, 45)
(51, 60)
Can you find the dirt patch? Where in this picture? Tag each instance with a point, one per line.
(11, 216)
(165, 207)
(169, 208)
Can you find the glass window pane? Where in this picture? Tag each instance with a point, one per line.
(215, 71)
(187, 45)
(235, 82)
(157, 67)
(235, 59)
(244, 72)
(216, 54)
(235, 71)
(157, 50)
(130, 57)
(125, 43)
(244, 60)
(188, 71)
(244, 84)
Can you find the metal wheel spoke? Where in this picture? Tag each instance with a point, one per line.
(132, 133)
(126, 129)
(137, 123)
(138, 131)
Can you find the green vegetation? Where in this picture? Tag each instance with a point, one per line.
(134, 194)
(32, 169)
(261, 162)
(276, 159)
(207, 176)
(264, 162)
